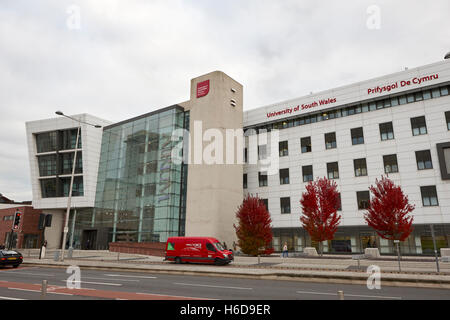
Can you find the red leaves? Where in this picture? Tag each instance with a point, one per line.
(319, 205)
(388, 211)
(254, 231)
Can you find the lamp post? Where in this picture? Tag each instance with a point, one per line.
(69, 198)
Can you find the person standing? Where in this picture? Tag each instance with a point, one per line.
(285, 250)
(43, 248)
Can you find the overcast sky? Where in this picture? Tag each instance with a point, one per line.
(117, 59)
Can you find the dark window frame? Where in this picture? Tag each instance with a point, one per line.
(360, 169)
(423, 192)
(420, 156)
(357, 136)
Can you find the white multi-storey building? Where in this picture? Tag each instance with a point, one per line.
(397, 125)
(51, 148)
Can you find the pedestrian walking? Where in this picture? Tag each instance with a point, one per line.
(285, 250)
(225, 245)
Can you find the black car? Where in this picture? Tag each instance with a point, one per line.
(13, 258)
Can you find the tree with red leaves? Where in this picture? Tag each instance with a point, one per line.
(254, 231)
(388, 211)
(319, 204)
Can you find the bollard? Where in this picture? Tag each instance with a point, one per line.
(341, 295)
(118, 256)
(43, 289)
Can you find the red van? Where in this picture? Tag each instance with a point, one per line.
(197, 250)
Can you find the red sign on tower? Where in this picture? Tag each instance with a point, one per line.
(202, 88)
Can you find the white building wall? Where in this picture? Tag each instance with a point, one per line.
(91, 144)
(404, 146)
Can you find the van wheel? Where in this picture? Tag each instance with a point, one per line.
(178, 260)
(15, 266)
(217, 262)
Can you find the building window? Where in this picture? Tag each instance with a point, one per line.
(69, 138)
(330, 140)
(418, 126)
(262, 179)
(77, 189)
(306, 145)
(363, 198)
(436, 93)
(67, 161)
(423, 159)
(429, 196)
(386, 131)
(262, 152)
(357, 136)
(447, 119)
(284, 176)
(339, 203)
(307, 173)
(390, 163)
(245, 155)
(245, 181)
(266, 203)
(443, 152)
(444, 91)
(284, 150)
(48, 188)
(285, 205)
(47, 165)
(333, 170)
(47, 142)
(360, 167)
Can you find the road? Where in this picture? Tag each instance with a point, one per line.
(25, 283)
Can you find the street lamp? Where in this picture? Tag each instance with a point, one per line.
(69, 199)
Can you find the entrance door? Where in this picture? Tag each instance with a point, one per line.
(89, 239)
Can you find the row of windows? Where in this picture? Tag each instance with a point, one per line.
(415, 96)
(423, 160)
(57, 140)
(59, 187)
(61, 163)
(418, 127)
(428, 193)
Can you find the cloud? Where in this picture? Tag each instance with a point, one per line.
(131, 57)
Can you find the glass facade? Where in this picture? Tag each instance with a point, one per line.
(351, 240)
(140, 191)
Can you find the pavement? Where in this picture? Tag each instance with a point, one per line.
(416, 271)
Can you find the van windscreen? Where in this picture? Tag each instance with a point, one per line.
(219, 246)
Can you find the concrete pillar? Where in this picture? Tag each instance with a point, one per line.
(214, 191)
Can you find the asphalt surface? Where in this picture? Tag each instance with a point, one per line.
(25, 283)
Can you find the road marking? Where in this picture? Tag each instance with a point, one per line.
(9, 298)
(349, 295)
(211, 286)
(98, 283)
(110, 279)
(120, 275)
(34, 274)
(167, 295)
(20, 289)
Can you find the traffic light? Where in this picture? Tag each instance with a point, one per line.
(17, 220)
